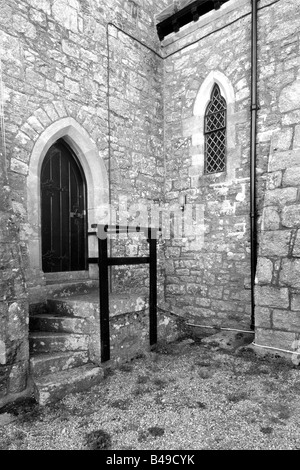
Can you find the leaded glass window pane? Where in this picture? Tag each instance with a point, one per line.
(215, 133)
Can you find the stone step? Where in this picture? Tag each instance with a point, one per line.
(55, 288)
(87, 304)
(40, 342)
(53, 387)
(57, 323)
(44, 364)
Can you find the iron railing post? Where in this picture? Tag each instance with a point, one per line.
(153, 287)
(104, 300)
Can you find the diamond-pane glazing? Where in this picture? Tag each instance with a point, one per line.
(215, 121)
(215, 133)
(215, 152)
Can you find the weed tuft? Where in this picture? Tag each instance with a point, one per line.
(126, 367)
(156, 431)
(120, 404)
(160, 383)
(201, 405)
(237, 397)
(98, 440)
(108, 372)
(142, 379)
(266, 430)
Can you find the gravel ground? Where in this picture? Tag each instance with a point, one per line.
(184, 396)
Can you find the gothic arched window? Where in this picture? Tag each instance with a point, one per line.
(215, 133)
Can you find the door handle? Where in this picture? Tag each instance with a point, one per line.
(77, 215)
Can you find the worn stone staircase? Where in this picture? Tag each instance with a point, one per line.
(59, 357)
(64, 337)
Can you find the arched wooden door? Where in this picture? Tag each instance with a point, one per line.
(63, 211)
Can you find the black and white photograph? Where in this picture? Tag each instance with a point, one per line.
(149, 228)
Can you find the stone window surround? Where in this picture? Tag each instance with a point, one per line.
(95, 173)
(195, 126)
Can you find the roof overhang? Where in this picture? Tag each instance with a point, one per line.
(182, 12)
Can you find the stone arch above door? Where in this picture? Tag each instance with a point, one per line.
(79, 140)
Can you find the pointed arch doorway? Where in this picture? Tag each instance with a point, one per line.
(63, 211)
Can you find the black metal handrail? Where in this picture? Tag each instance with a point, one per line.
(104, 262)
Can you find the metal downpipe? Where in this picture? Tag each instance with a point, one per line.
(254, 108)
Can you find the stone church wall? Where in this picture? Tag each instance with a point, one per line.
(210, 282)
(54, 57)
(13, 299)
(277, 291)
